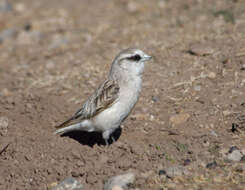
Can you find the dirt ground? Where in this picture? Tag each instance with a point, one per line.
(54, 53)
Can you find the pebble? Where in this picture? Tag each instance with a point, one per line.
(201, 49)
(69, 184)
(227, 113)
(213, 133)
(235, 156)
(155, 99)
(211, 75)
(212, 165)
(75, 154)
(243, 158)
(179, 118)
(162, 172)
(4, 122)
(187, 162)
(176, 171)
(133, 7)
(243, 67)
(197, 88)
(232, 149)
(120, 181)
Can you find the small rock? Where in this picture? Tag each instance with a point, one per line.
(5, 92)
(179, 118)
(243, 151)
(197, 88)
(162, 172)
(211, 75)
(232, 149)
(121, 181)
(69, 184)
(75, 174)
(27, 27)
(139, 117)
(240, 168)
(243, 67)
(75, 154)
(187, 162)
(212, 165)
(176, 171)
(3, 126)
(200, 49)
(28, 157)
(235, 156)
(243, 159)
(133, 7)
(155, 99)
(227, 113)
(20, 7)
(213, 133)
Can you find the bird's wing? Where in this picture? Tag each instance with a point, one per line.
(103, 97)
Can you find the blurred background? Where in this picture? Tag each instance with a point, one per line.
(54, 53)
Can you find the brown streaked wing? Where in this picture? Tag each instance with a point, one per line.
(104, 97)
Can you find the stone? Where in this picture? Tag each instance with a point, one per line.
(243, 158)
(227, 113)
(232, 149)
(187, 162)
(179, 118)
(199, 49)
(211, 75)
(162, 172)
(133, 7)
(212, 165)
(174, 171)
(235, 156)
(120, 181)
(69, 184)
(4, 122)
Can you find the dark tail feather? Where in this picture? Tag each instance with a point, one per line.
(64, 123)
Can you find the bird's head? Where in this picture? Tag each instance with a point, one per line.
(130, 61)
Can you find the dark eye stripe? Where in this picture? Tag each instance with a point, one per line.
(135, 57)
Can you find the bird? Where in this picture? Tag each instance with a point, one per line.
(113, 100)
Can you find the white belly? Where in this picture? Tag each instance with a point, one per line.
(113, 116)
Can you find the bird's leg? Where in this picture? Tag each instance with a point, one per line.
(106, 135)
(113, 139)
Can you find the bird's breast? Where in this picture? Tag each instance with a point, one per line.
(114, 115)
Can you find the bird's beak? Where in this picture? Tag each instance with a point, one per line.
(146, 57)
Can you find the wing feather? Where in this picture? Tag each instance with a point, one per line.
(104, 97)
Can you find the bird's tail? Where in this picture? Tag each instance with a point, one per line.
(70, 128)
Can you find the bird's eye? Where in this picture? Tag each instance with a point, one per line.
(135, 57)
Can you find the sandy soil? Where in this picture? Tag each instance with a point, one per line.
(191, 109)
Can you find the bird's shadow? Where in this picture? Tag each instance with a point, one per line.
(92, 138)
